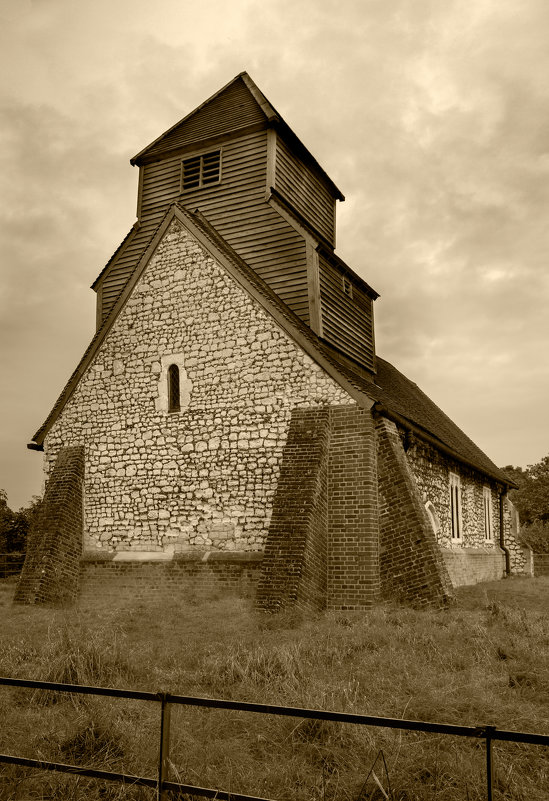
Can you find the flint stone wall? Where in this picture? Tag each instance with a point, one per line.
(431, 470)
(204, 477)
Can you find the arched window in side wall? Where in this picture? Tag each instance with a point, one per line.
(433, 517)
(174, 399)
(455, 507)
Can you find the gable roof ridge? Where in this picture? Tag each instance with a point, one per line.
(195, 111)
(198, 221)
(266, 107)
(272, 118)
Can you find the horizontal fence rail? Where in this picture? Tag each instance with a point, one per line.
(11, 564)
(162, 785)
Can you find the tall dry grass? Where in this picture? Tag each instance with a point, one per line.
(484, 661)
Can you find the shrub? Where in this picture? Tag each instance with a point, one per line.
(536, 536)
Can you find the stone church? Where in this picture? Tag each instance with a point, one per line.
(230, 424)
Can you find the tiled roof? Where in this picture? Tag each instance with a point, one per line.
(405, 398)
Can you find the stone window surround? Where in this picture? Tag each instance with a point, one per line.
(174, 404)
(487, 506)
(456, 519)
(162, 401)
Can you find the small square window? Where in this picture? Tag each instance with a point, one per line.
(202, 170)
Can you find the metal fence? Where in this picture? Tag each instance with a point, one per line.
(11, 564)
(164, 787)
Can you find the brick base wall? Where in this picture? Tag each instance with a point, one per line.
(412, 567)
(197, 574)
(322, 546)
(50, 572)
(294, 565)
(353, 552)
(541, 564)
(472, 565)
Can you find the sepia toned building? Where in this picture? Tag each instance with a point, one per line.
(231, 424)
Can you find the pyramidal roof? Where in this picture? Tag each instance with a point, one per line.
(233, 109)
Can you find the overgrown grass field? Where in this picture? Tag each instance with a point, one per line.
(484, 661)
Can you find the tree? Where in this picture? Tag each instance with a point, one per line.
(532, 501)
(532, 496)
(14, 526)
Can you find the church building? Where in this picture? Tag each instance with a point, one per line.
(230, 424)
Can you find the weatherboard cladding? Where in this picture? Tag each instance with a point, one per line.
(304, 190)
(237, 209)
(346, 321)
(116, 275)
(390, 387)
(237, 206)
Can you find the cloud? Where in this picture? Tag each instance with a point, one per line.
(430, 117)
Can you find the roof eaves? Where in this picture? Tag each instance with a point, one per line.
(408, 402)
(272, 117)
(313, 232)
(437, 442)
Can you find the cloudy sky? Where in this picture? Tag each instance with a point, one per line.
(432, 116)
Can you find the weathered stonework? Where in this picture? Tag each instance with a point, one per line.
(473, 558)
(204, 477)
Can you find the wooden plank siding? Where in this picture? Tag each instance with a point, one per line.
(305, 191)
(347, 322)
(238, 211)
(236, 207)
(233, 108)
(118, 272)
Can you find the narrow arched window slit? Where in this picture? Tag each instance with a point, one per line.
(174, 400)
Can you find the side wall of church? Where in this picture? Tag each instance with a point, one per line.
(473, 557)
(202, 477)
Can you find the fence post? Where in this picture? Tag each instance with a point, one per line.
(164, 755)
(488, 731)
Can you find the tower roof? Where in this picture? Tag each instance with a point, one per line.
(236, 107)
